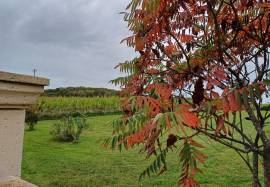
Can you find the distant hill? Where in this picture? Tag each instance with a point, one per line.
(80, 92)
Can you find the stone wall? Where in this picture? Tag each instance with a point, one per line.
(17, 92)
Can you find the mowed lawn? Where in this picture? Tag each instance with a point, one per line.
(53, 164)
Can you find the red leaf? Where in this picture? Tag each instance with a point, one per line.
(139, 43)
(214, 82)
(169, 49)
(196, 144)
(199, 156)
(189, 118)
(168, 122)
(220, 124)
(209, 86)
(225, 105)
(234, 105)
(214, 95)
(141, 135)
(220, 74)
(189, 182)
(152, 71)
(225, 91)
(186, 38)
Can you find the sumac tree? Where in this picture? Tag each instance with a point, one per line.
(202, 68)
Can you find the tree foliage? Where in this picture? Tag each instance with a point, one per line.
(201, 65)
(80, 92)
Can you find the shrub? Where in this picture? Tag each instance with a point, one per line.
(69, 128)
(31, 117)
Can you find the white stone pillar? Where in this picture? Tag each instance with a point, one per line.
(11, 141)
(17, 92)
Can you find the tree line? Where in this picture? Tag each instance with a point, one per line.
(80, 92)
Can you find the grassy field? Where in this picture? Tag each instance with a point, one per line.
(55, 107)
(47, 163)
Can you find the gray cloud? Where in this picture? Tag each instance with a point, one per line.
(72, 42)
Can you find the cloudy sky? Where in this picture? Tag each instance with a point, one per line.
(71, 42)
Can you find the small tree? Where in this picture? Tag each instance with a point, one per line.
(31, 117)
(202, 65)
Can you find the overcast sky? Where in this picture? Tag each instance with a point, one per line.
(71, 42)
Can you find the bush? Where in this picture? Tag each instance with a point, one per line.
(31, 117)
(69, 128)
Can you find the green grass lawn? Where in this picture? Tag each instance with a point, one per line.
(49, 163)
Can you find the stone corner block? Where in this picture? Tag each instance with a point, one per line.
(14, 182)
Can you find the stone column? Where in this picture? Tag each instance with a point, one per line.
(17, 92)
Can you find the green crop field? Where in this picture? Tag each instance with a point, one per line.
(47, 163)
(55, 107)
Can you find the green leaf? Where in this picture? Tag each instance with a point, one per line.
(158, 162)
(162, 156)
(266, 82)
(155, 165)
(114, 140)
(148, 172)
